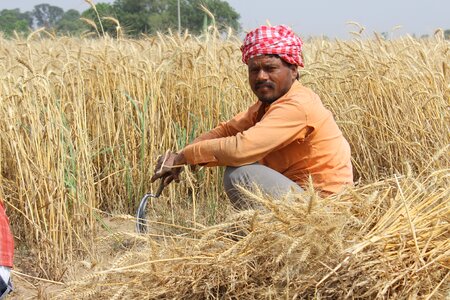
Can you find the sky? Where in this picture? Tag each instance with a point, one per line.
(318, 17)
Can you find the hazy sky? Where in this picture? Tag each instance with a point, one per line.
(318, 17)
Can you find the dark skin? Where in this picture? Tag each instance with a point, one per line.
(270, 78)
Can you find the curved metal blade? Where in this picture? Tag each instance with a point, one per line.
(141, 222)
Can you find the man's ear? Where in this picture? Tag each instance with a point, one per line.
(294, 69)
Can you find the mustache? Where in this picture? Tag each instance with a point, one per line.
(265, 84)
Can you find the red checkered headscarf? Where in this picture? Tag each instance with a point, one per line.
(279, 40)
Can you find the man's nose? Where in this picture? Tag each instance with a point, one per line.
(262, 75)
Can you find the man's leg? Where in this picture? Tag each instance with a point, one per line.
(269, 181)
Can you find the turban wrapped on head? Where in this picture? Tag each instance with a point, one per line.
(279, 40)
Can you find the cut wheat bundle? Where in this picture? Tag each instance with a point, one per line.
(387, 240)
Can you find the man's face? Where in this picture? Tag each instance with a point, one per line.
(270, 77)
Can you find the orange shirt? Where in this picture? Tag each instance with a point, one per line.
(295, 135)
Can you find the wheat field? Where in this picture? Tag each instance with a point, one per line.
(82, 121)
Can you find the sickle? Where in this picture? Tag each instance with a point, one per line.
(141, 222)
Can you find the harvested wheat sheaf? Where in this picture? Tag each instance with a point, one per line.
(387, 240)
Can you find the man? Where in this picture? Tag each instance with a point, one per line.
(282, 140)
(6, 254)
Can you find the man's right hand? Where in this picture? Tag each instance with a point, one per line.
(168, 168)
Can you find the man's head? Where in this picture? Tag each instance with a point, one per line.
(273, 55)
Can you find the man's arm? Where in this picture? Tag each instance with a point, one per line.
(283, 123)
(238, 123)
(169, 165)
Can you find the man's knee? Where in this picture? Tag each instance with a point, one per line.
(228, 180)
(268, 181)
(234, 176)
(231, 181)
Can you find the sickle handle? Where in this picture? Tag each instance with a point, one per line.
(160, 188)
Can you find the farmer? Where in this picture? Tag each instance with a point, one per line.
(282, 140)
(6, 253)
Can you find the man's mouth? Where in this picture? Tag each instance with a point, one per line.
(264, 86)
